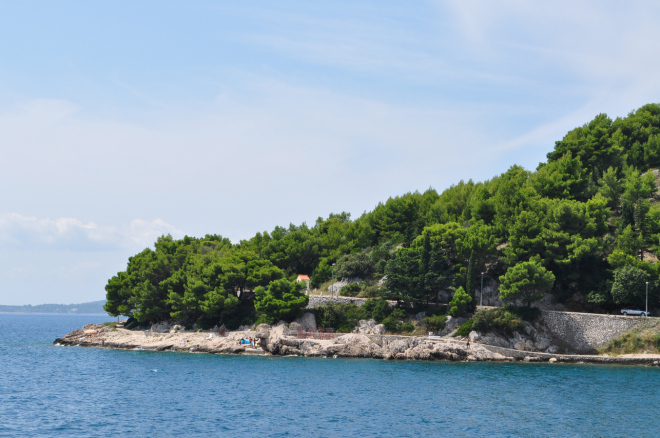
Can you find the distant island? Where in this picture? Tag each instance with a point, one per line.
(94, 307)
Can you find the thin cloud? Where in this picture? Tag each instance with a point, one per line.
(30, 233)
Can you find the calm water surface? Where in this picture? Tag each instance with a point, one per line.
(47, 390)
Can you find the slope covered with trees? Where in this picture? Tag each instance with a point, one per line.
(587, 217)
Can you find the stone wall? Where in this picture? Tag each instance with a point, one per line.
(585, 332)
(317, 301)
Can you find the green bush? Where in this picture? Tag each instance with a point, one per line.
(261, 319)
(529, 314)
(437, 310)
(393, 322)
(350, 290)
(342, 317)
(354, 266)
(636, 340)
(460, 303)
(378, 309)
(502, 320)
(282, 299)
(465, 329)
(408, 327)
(435, 323)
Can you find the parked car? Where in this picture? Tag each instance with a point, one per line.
(627, 312)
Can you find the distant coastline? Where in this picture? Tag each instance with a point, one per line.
(91, 308)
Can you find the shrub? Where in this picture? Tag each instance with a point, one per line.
(465, 329)
(526, 281)
(629, 286)
(482, 321)
(636, 340)
(408, 327)
(378, 309)
(502, 320)
(261, 319)
(282, 299)
(435, 323)
(342, 317)
(350, 290)
(354, 266)
(460, 303)
(530, 314)
(393, 322)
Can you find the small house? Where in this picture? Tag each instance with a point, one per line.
(305, 278)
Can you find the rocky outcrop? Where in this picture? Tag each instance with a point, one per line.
(370, 327)
(276, 341)
(534, 337)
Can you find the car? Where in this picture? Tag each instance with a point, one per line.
(627, 312)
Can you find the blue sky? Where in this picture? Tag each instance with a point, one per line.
(125, 120)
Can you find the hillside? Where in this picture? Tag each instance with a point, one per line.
(584, 227)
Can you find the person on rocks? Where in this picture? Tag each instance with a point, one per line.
(467, 345)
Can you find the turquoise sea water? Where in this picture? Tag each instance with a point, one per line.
(47, 390)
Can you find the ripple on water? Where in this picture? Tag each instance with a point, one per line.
(50, 391)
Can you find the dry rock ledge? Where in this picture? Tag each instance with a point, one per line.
(277, 342)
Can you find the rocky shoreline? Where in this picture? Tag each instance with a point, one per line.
(279, 341)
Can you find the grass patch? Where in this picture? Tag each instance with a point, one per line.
(110, 324)
(640, 339)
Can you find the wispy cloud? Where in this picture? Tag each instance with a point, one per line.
(30, 233)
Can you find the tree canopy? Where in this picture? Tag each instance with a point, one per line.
(588, 218)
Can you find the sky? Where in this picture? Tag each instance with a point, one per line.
(122, 121)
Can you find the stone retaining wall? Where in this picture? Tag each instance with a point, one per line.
(317, 301)
(585, 332)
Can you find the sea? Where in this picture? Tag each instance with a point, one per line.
(54, 391)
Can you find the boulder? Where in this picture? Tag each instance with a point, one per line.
(452, 324)
(369, 327)
(263, 331)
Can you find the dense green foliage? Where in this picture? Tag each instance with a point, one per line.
(435, 323)
(281, 299)
(345, 317)
(465, 329)
(588, 216)
(350, 290)
(526, 281)
(460, 303)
